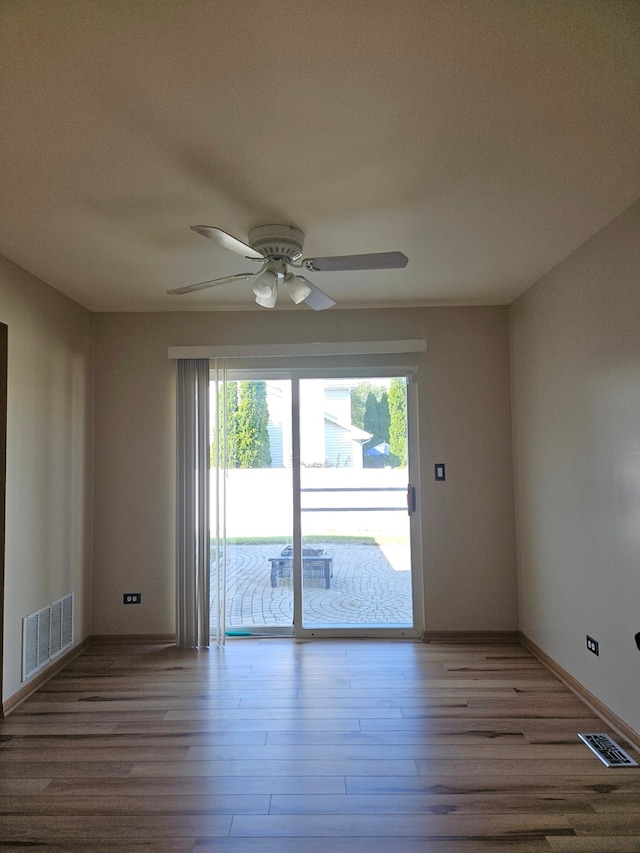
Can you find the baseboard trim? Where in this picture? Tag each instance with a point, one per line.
(474, 637)
(591, 701)
(142, 639)
(35, 683)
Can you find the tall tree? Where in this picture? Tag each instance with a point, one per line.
(252, 437)
(384, 417)
(371, 420)
(372, 425)
(359, 396)
(398, 421)
(228, 390)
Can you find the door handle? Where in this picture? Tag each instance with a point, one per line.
(411, 499)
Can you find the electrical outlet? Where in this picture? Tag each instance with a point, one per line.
(593, 645)
(132, 598)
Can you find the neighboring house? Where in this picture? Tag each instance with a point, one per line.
(327, 436)
(342, 443)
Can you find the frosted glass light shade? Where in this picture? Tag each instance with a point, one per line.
(297, 287)
(266, 289)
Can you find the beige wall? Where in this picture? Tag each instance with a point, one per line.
(49, 457)
(464, 393)
(576, 408)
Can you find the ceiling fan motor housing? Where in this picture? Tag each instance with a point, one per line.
(277, 242)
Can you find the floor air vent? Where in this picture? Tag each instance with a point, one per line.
(608, 750)
(45, 634)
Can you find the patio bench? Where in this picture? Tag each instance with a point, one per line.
(316, 562)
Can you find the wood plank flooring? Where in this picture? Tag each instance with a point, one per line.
(327, 746)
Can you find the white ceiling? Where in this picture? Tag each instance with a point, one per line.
(485, 139)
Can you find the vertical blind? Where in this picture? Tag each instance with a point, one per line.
(192, 528)
(219, 495)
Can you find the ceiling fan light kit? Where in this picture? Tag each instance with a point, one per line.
(277, 247)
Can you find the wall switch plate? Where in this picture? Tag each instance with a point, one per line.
(439, 470)
(132, 598)
(593, 645)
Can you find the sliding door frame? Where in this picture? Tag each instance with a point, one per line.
(379, 370)
(360, 367)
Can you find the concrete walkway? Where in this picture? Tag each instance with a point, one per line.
(371, 586)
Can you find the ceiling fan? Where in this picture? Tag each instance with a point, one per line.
(277, 248)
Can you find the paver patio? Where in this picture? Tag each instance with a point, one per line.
(371, 586)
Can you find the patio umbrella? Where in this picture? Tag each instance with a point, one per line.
(381, 449)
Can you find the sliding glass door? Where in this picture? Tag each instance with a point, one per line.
(355, 526)
(252, 509)
(312, 475)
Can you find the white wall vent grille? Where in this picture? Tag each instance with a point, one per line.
(45, 634)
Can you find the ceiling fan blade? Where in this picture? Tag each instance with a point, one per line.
(317, 299)
(203, 285)
(376, 261)
(226, 240)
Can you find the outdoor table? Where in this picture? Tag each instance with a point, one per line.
(315, 562)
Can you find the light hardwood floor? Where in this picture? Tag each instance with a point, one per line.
(336, 746)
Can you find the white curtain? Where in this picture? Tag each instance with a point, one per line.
(192, 529)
